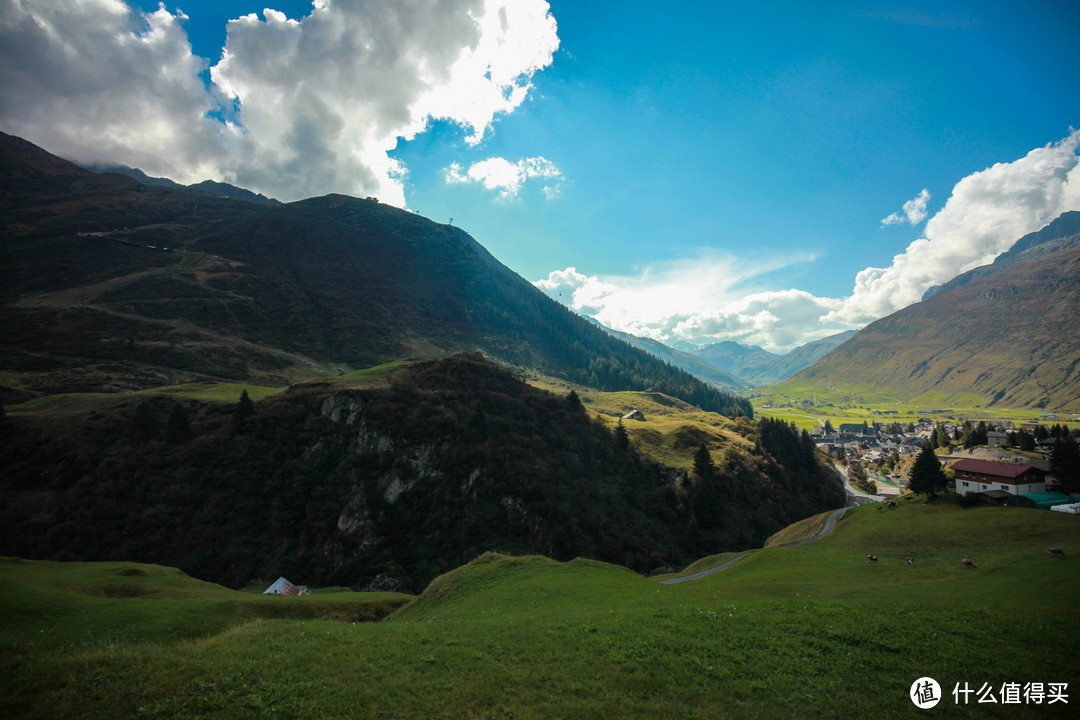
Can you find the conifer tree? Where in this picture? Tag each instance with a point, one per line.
(1065, 464)
(706, 496)
(703, 462)
(622, 439)
(926, 475)
(144, 423)
(244, 407)
(177, 426)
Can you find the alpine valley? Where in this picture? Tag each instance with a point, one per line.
(342, 391)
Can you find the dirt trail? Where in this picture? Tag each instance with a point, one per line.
(830, 525)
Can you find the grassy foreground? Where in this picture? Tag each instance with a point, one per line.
(815, 631)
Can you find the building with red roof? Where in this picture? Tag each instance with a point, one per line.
(987, 475)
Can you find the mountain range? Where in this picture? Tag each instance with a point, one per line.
(129, 309)
(757, 366)
(113, 285)
(1004, 333)
(118, 283)
(732, 366)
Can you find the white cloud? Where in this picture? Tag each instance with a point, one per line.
(699, 301)
(987, 212)
(705, 300)
(914, 211)
(778, 321)
(92, 81)
(310, 105)
(506, 177)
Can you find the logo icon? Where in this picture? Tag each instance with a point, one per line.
(925, 693)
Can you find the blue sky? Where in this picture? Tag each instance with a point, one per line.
(695, 171)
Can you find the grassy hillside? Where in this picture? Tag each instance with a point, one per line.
(96, 605)
(810, 632)
(1006, 336)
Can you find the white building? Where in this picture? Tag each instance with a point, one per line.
(986, 475)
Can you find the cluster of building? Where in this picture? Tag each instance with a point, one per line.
(1024, 482)
(860, 441)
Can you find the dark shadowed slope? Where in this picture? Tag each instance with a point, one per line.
(111, 282)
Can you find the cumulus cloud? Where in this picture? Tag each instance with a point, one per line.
(699, 301)
(987, 212)
(914, 211)
(506, 177)
(778, 321)
(296, 106)
(94, 81)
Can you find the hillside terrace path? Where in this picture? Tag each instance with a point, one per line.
(830, 525)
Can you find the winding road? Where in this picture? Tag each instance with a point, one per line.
(830, 525)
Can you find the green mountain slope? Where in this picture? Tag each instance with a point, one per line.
(801, 357)
(689, 362)
(1007, 333)
(111, 283)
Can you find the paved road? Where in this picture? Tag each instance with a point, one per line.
(855, 495)
(830, 525)
(710, 571)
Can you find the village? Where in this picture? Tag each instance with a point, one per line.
(999, 463)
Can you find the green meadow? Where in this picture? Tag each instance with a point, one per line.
(809, 406)
(813, 631)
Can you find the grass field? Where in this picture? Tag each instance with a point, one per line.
(814, 631)
(672, 429)
(809, 406)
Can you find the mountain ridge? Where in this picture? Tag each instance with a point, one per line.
(1005, 332)
(1066, 224)
(220, 189)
